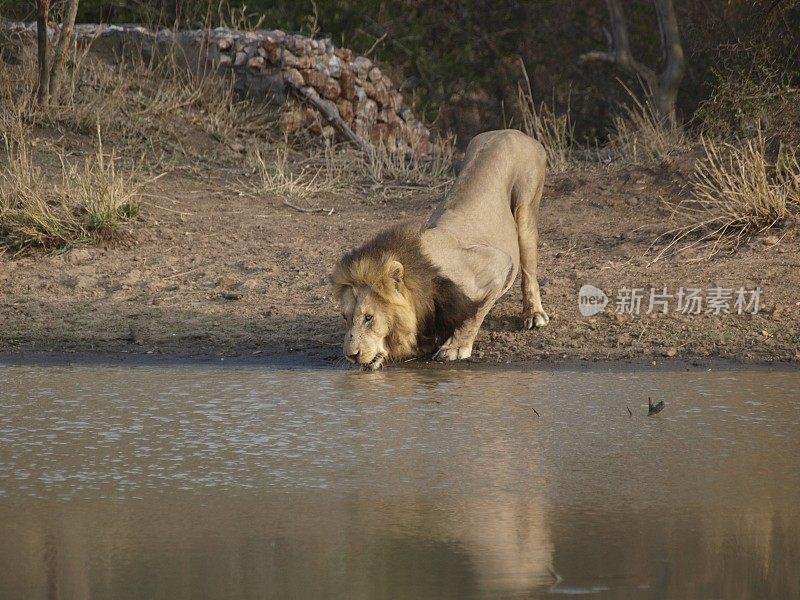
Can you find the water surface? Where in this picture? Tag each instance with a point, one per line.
(208, 482)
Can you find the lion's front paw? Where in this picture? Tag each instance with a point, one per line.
(538, 319)
(452, 351)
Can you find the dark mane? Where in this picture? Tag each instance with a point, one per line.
(441, 306)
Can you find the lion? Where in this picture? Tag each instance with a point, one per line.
(416, 288)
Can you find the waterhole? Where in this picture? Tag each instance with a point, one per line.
(247, 482)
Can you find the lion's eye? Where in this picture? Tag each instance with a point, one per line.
(367, 318)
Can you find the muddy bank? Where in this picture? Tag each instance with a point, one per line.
(208, 273)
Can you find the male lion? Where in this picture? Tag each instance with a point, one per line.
(415, 287)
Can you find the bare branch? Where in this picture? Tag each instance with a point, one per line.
(328, 111)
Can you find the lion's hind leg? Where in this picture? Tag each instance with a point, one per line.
(526, 216)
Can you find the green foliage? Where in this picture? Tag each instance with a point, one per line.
(753, 90)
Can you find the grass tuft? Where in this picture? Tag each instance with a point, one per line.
(736, 194)
(90, 203)
(275, 176)
(554, 131)
(641, 136)
(390, 168)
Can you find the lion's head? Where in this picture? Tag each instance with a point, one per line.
(394, 301)
(377, 307)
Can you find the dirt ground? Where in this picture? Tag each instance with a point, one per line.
(207, 272)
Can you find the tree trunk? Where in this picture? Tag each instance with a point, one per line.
(663, 86)
(60, 58)
(42, 8)
(669, 80)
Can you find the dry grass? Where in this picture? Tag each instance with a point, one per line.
(642, 137)
(736, 193)
(554, 131)
(277, 174)
(284, 171)
(395, 169)
(157, 111)
(154, 115)
(91, 202)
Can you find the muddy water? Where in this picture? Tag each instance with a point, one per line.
(189, 482)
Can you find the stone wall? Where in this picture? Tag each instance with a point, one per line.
(265, 65)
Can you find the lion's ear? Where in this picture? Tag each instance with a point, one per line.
(394, 269)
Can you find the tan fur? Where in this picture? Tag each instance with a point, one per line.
(369, 278)
(412, 282)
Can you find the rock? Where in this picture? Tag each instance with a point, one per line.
(331, 90)
(232, 295)
(257, 63)
(381, 95)
(270, 42)
(345, 54)
(670, 352)
(224, 43)
(294, 77)
(225, 61)
(375, 74)
(314, 78)
(771, 240)
(369, 89)
(368, 111)
(362, 65)
(345, 108)
(240, 60)
(347, 81)
(335, 66)
(323, 68)
(288, 59)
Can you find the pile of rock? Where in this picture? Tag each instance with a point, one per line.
(352, 87)
(339, 92)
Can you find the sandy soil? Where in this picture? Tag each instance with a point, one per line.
(208, 272)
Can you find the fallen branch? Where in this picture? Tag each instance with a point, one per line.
(303, 209)
(327, 110)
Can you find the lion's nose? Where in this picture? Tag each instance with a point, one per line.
(353, 357)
